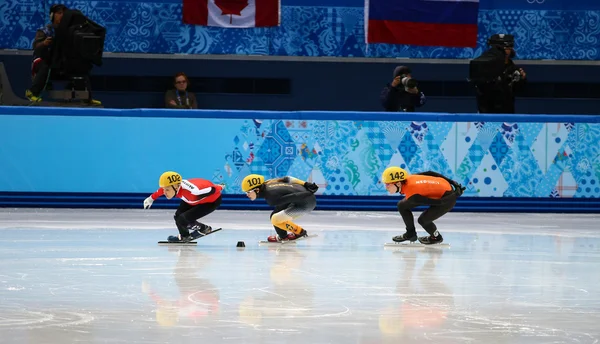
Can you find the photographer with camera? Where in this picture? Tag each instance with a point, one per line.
(42, 53)
(402, 94)
(496, 77)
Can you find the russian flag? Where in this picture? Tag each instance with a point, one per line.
(446, 23)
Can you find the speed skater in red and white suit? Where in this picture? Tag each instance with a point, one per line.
(199, 197)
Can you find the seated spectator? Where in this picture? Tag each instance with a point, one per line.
(180, 98)
(42, 53)
(402, 94)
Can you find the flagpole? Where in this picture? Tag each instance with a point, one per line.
(366, 26)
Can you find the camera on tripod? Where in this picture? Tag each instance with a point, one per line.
(489, 67)
(79, 44)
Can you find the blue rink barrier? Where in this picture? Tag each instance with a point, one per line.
(110, 158)
(349, 203)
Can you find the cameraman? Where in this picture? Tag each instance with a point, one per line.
(402, 94)
(42, 53)
(498, 95)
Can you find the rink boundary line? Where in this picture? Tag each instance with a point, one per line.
(564, 233)
(258, 213)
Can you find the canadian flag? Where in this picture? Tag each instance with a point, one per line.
(232, 13)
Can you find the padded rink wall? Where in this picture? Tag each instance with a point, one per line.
(107, 158)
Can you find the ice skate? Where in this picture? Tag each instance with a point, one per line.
(194, 235)
(404, 241)
(405, 237)
(273, 238)
(301, 235)
(276, 238)
(197, 226)
(193, 226)
(290, 238)
(430, 240)
(207, 230)
(197, 230)
(191, 238)
(173, 238)
(177, 239)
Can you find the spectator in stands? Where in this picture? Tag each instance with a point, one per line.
(42, 53)
(402, 94)
(180, 98)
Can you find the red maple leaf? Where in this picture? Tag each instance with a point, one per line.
(231, 7)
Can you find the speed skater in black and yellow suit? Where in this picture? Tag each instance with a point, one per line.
(422, 189)
(291, 198)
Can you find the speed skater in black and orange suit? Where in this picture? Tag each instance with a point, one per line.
(422, 189)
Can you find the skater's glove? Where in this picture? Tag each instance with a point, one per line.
(459, 189)
(312, 187)
(148, 202)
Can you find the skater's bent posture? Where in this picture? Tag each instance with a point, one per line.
(291, 198)
(199, 197)
(426, 188)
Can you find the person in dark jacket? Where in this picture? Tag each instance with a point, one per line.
(402, 94)
(291, 198)
(498, 95)
(180, 98)
(42, 53)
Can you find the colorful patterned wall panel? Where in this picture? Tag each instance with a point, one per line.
(68, 150)
(493, 159)
(156, 27)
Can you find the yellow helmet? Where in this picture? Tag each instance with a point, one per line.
(393, 174)
(169, 178)
(252, 181)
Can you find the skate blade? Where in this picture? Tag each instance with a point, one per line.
(264, 242)
(192, 242)
(177, 243)
(413, 245)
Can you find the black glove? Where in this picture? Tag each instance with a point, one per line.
(312, 187)
(459, 189)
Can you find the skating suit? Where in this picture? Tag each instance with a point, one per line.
(195, 191)
(426, 186)
(294, 198)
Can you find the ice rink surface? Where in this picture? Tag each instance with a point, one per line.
(99, 276)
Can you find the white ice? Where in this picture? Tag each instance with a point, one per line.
(98, 276)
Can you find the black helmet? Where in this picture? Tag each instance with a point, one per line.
(502, 40)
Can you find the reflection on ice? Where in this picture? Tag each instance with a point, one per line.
(97, 280)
